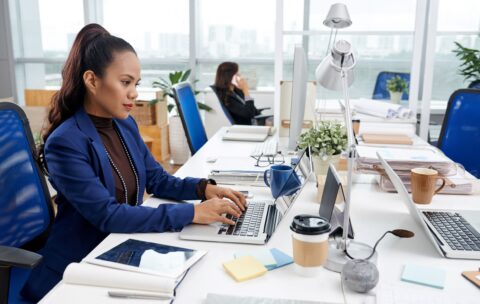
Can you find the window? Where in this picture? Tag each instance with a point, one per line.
(381, 33)
(243, 35)
(456, 22)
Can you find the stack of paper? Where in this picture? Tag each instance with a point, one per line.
(456, 184)
(381, 109)
(248, 133)
(403, 159)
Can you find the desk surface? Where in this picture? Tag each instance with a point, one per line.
(372, 212)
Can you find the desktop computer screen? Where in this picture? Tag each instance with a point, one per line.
(299, 95)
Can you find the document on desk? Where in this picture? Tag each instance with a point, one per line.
(248, 133)
(404, 159)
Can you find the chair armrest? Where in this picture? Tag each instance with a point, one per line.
(16, 257)
(262, 116)
(262, 109)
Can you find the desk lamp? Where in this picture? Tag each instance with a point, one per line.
(337, 18)
(335, 72)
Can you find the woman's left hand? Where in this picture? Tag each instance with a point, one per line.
(238, 198)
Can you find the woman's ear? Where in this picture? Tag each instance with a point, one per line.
(90, 81)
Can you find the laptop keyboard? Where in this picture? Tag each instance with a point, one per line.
(455, 230)
(248, 224)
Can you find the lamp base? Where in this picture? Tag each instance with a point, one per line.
(337, 257)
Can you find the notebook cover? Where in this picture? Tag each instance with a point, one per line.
(472, 276)
(398, 139)
(244, 268)
(424, 275)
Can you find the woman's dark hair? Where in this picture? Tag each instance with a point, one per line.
(93, 49)
(223, 79)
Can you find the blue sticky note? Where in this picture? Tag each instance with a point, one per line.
(424, 275)
(281, 258)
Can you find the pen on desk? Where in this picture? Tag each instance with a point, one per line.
(139, 295)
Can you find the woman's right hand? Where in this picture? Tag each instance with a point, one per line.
(210, 211)
(242, 84)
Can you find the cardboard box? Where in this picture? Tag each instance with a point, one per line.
(160, 143)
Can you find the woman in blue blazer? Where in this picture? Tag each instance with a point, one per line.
(100, 173)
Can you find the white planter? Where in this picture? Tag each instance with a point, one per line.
(320, 165)
(395, 97)
(179, 149)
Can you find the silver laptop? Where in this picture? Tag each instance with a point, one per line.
(454, 233)
(258, 223)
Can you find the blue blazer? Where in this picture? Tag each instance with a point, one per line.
(80, 171)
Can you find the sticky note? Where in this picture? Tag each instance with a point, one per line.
(424, 275)
(263, 255)
(244, 268)
(281, 258)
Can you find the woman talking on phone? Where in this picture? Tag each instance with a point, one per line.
(232, 90)
(100, 167)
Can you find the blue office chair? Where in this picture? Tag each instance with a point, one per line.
(258, 120)
(26, 213)
(460, 135)
(474, 84)
(380, 91)
(190, 115)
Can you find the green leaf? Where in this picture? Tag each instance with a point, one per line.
(186, 74)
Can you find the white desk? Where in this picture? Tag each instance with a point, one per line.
(373, 212)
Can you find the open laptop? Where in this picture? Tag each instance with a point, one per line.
(259, 221)
(454, 233)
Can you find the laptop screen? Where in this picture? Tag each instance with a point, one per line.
(303, 168)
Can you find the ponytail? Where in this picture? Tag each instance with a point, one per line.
(93, 49)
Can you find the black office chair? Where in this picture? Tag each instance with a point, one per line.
(460, 135)
(258, 120)
(474, 85)
(26, 213)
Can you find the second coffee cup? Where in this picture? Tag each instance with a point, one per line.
(282, 180)
(310, 243)
(424, 181)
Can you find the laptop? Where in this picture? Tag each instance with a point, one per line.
(258, 223)
(454, 233)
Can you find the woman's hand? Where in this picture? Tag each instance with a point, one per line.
(211, 211)
(242, 84)
(238, 198)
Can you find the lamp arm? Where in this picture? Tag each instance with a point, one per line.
(351, 154)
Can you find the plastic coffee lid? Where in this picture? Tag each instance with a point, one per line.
(310, 224)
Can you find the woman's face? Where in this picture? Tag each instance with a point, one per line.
(114, 94)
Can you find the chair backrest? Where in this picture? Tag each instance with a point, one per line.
(222, 105)
(25, 208)
(474, 84)
(460, 135)
(216, 118)
(381, 92)
(190, 115)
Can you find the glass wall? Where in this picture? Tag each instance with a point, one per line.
(382, 34)
(458, 21)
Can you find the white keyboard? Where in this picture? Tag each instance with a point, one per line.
(267, 148)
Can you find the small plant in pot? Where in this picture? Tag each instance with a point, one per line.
(327, 140)
(396, 86)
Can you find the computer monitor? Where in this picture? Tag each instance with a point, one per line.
(299, 95)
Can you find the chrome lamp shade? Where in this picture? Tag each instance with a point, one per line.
(338, 17)
(328, 72)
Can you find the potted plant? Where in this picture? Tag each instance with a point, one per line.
(470, 67)
(396, 86)
(327, 140)
(179, 150)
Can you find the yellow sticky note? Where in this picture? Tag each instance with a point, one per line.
(244, 268)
